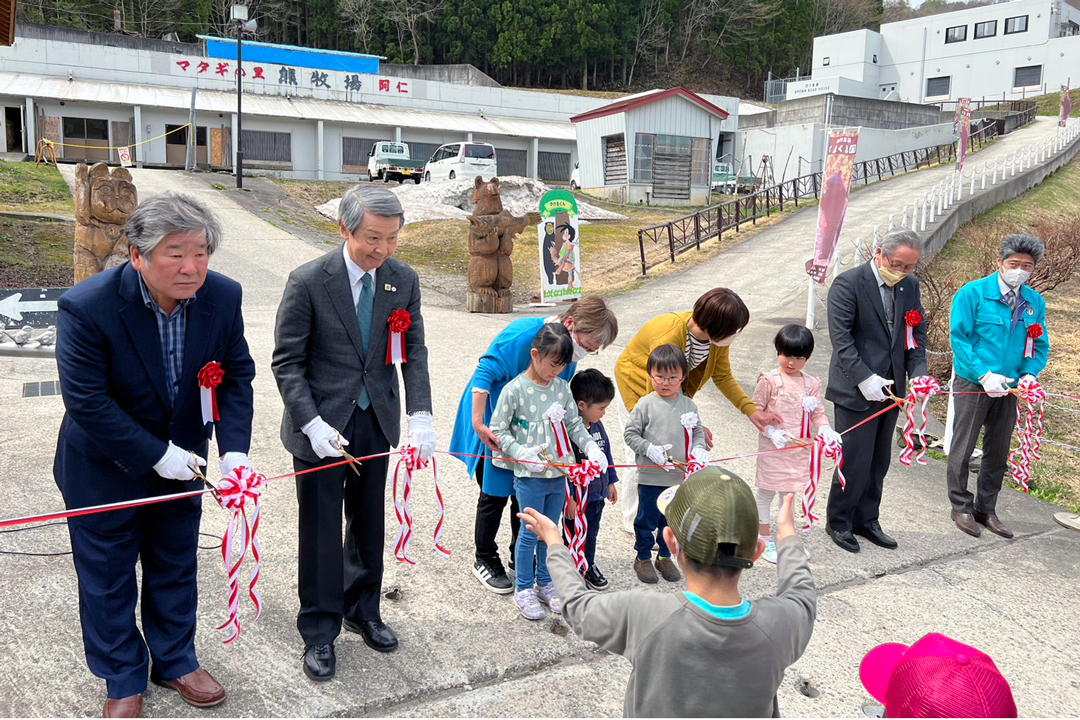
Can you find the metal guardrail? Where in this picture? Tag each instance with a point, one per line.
(691, 231)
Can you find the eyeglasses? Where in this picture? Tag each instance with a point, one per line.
(591, 347)
(667, 380)
(898, 266)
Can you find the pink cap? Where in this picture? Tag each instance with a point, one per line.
(936, 677)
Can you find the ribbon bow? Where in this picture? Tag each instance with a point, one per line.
(1029, 430)
(1033, 333)
(579, 476)
(922, 389)
(410, 458)
(555, 415)
(821, 451)
(210, 377)
(236, 493)
(912, 319)
(399, 322)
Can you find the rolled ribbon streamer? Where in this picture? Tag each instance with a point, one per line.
(821, 451)
(922, 389)
(236, 492)
(1030, 413)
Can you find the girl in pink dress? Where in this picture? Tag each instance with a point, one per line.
(790, 393)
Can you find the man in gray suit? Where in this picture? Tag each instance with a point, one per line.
(867, 309)
(330, 363)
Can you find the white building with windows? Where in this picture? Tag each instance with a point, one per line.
(1008, 50)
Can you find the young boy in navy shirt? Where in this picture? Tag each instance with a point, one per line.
(593, 392)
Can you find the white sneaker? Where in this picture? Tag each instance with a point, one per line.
(770, 551)
(550, 597)
(529, 605)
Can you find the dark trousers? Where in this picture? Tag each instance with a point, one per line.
(867, 455)
(337, 581)
(972, 413)
(649, 523)
(163, 538)
(489, 512)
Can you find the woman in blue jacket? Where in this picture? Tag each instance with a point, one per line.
(998, 335)
(593, 327)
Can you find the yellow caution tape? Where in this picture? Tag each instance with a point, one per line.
(54, 143)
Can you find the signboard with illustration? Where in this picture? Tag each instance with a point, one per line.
(560, 247)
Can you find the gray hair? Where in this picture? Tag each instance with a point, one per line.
(377, 201)
(162, 215)
(1022, 244)
(901, 237)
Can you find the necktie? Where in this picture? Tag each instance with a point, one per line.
(890, 305)
(1010, 299)
(364, 309)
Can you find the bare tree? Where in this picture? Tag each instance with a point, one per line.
(650, 34)
(361, 16)
(723, 21)
(409, 14)
(837, 16)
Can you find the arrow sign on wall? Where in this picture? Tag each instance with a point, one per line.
(40, 304)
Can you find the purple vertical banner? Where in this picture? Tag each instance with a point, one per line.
(963, 131)
(835, 186)
(1066, 105)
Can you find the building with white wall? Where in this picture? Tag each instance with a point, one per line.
(1008, 50)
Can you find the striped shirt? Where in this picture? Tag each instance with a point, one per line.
(171, 329)
(697, 351)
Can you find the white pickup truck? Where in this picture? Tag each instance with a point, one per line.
(390, 161)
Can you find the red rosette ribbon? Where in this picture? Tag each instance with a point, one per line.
(239, 493)
(399, 322)
(912, 319)
(210, 377)
(1033, 333)
(579, 476)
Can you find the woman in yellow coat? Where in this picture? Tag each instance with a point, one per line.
(705, 334)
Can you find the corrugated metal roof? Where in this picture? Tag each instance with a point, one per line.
(38, 86)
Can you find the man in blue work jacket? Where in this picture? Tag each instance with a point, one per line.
(998, 336)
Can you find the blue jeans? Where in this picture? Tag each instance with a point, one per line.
(548, 497)
(649, 521)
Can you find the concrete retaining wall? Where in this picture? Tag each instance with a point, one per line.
(846, 110)
(969, 209)
(457, 74)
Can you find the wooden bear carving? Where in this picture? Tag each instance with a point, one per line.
(103, 201)
(491, 242)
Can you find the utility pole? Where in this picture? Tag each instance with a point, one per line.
(240, 17)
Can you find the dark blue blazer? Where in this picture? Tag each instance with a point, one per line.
(119, 419)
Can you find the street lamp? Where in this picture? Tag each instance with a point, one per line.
(239, 15)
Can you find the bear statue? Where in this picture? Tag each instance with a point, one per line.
(491, 242)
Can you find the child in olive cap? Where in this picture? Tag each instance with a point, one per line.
(706, 652)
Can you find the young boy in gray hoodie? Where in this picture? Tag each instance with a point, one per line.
(705, 652)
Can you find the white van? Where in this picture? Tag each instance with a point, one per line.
(462, 160)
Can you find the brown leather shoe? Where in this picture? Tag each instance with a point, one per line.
(966, 523)
(129, 707)
(667, 569)
(645, 571)
(197, 688)
(993, 524)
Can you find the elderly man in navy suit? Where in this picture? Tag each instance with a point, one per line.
(131, 343)
(867, 309)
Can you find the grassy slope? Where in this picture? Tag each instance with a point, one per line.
(26, 187)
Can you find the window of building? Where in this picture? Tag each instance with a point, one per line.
(178, 135)
(614, 160)
(938, 86)
(354, 152)
(956, 34)
(700, 168)
(1028, 76)
(644, 147)
(85, 129)
(985, 29)
(1016, 24)
(267, 146)
(824, 62)
(553, 166)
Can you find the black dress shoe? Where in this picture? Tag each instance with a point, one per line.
(376, 635)
(320, 662)
(874, 534)
(844, 539)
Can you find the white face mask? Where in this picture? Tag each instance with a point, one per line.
(579, 352)
(725, 342)
(1015, 277)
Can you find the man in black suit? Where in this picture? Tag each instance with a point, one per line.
(330, 363)
(867, 309)
(130, 344)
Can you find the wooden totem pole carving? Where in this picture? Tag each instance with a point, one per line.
(103, 201)
(491, 241)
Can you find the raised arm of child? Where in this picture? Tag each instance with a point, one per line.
(795, 585)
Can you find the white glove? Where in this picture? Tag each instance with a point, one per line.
(233, 460)
(325, 440)
(530, 457)
(596, 455)
(658, 455)
(422, 435)
(831, 435)
(778, 436)
(700, 454)
(995, 385)
(873, 388)
(178, 464)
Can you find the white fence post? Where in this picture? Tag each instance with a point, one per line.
(925, 211)
(971, 191)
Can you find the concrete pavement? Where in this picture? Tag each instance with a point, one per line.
(467, 652)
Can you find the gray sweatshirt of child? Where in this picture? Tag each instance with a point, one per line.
(688, 663)
(657, 421)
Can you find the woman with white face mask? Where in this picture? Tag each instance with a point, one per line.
(998, 335)
(706, 335)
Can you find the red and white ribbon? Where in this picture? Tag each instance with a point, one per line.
(580, 476)
(1033, 333)
(399, 321)
(238, 492)
(410, 459)
(1029, 430)
(912, 319)
(922, 389)
(809, 405)
(690, 421)
(555, 415)
(209, 378)
(823, 449)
